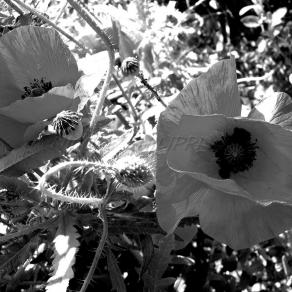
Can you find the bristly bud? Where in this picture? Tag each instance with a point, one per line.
(68, 125)
(134, 174)
(130, 66)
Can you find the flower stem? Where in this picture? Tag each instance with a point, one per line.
(93, 23)
(136, 117)
(148, 86)
(103, 217)
(35, 12)
(98, 250)
(74, 197)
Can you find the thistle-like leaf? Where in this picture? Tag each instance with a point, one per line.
(115, 273)
(12, 262)
(65, 249)
(29, 157)
(159, 262)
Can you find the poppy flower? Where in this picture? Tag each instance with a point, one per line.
(235, 173)
(37, 78)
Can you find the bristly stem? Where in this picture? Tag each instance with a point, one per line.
(73, 197)
(35, 12)
(149, 87)
(103, 217)
(93, 23)
(136, 117)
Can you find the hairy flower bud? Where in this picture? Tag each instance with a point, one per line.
(130, 66)
(68, 124)
(134, 174)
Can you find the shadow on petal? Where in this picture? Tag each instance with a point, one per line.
(239, 222)
(34, 109)
(276, 109)
(12, 131)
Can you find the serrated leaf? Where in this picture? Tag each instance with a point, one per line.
(159, 262)
(117, 144)
(28, 157)
(165, 282)
(147, 251)
(65, 249)
(115, 273)
(19, 257)
(251, 21)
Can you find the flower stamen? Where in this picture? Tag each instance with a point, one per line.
(36, 88)
(235, 153)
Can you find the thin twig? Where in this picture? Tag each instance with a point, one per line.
(149, 87)
(13, 6)
(136, 117)
(93, 23)
(61, 12)
(35, 12)
(255, 79)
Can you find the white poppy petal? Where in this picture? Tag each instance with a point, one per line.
(276, 109)
(34, 109)
(213, 92)
(239, 222)
(268, 180)
(12, 131)
(29, 52)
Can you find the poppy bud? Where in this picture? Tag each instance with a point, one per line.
(134, 174)
(68, 124)
(130, 66)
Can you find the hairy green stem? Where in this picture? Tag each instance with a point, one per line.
(93, 23)
(149, 87)
(98, 250)
(103, 217)
(73, 197)
(136, 117)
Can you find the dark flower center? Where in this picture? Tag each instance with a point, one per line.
(36, 88)
(235, 152)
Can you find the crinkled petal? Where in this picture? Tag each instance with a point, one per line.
(239, 222)
(175, 196)
(34, 109)
(30, 52)
(12, 131)
(268, 180)
(276, 109)
(213, 92)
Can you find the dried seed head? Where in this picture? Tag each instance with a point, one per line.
(130, 66)
(68, 124)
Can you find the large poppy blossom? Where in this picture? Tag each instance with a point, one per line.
(235, 173)
(37, 78)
